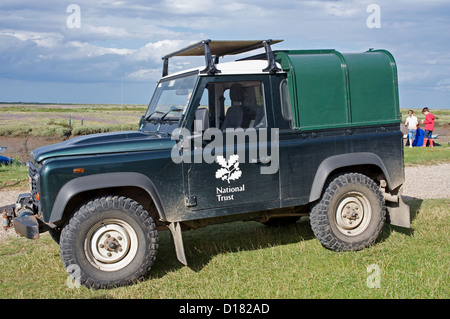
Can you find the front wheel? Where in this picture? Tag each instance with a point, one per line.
(350, 214)
(112, 240)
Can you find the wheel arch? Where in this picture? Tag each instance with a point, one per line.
(132, 185)
(366, 163)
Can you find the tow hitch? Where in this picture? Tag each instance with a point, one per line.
(7, 216)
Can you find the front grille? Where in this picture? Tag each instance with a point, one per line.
(33, 176)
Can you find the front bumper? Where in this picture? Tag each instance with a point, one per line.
(25, 219)
(26, 224)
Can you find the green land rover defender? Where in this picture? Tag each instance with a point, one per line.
(267, 138)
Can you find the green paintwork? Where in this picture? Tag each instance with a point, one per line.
(128, 151)
(116, 142)
(330, 89)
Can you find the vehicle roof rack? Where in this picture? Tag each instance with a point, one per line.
(212, 50)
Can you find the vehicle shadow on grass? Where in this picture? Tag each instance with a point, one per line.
(414, 206)
(203, 244)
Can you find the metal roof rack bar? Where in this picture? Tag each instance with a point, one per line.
(209, 60)
(212, 50)
(272, 66)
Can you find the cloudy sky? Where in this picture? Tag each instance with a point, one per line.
(81, 51)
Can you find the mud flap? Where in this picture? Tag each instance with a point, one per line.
(175, 229)
(398, 213)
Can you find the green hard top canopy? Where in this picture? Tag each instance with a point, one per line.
(331, 89)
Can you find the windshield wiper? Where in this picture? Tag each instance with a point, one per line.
(160, 119)
(172, 109)
(148, 117)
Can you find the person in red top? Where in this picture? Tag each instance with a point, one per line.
(429, 126)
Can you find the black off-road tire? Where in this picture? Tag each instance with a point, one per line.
(109, 242)
(350, 214)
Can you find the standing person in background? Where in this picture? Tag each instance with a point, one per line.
(411, 123)
(429, 126)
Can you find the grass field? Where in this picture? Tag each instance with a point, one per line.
(53, 120)
(13, 176)
(427, 156)
(265, 263)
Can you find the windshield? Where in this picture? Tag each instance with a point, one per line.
(168, 104)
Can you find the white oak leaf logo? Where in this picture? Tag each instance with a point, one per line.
(230, 170)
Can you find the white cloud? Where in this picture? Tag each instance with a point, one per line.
(42, 39)
(83, 49)
(188, 7)
(340, 8)
(105, 32)
(144, 75)
(155, 51)
(443, 85)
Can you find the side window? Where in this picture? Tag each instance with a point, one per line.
(227, 99)
(204, 102)
(231, 105)
(243, 105)
(286, 108)
(204, 114)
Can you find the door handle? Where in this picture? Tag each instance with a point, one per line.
(261, 160)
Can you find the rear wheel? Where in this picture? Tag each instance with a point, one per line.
(112, 240)
(350, 214)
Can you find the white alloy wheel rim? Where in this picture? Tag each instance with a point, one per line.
(111, 245)
(353, 214)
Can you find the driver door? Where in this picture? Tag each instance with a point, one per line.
(230, 152)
